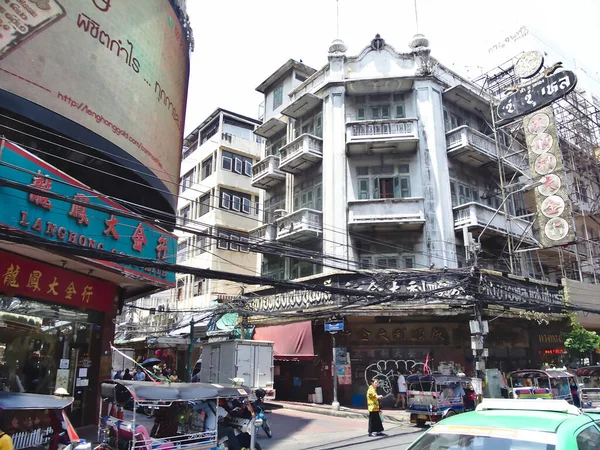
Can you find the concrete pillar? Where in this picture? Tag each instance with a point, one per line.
(439, 235)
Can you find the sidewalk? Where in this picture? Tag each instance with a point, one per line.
(389, 415)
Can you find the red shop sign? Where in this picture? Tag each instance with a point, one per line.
(38, 280)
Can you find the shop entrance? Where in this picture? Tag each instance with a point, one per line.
(46, 347)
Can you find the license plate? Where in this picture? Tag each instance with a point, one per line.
(422, 416)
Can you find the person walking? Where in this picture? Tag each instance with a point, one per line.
(375, 424)
(6, 442)
(402, 389)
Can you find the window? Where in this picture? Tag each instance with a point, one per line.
(360, 114)
(236, 201)
(206, 167)
(588, 439)
(237, 163)
(409, 262)
(225, 200)
(187, 180)
(380, 107)
(222, 243)
(182, 250)
(277, 97)
(399, 113)
(226, 161)
(309, 195)
(184, 215)
(387, 263)
(232, 240)
(453, 193)
(198, 286)
(377, 187)
(246, 205)
(309, 125)
(204, 205)
(363, 188)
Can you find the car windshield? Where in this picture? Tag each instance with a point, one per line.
(443, 441)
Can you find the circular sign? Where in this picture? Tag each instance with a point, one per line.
(553, 206)
(550, 185)
(556, 228)
(542, 143)
(546, 163)
(539, 123)
(529, 64)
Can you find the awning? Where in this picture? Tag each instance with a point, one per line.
(293, 341)
(270, 128)
(183, 326)
(301, 106)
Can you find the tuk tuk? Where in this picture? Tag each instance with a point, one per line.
(186, 417)
(39, 421)
(589, 386)
(544, 384)
(433, 397)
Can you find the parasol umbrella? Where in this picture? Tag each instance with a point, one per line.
(151, 361)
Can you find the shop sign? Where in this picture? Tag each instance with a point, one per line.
(554, 215)
(62, 221)
(334, 327)
(404, 334)
(550, 338)
(536, 95)
(291, 300)
(20, 276)
(517, 291)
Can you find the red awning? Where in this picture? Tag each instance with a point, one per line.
(292, 341)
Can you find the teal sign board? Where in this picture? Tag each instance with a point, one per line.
(62, 221)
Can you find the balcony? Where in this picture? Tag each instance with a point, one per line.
(476, 149)
(301, 153)
(378, 136)
(232, 142)
(264, 233)
(476, 216)
(386, 214)
(266, 173)
(300, 226)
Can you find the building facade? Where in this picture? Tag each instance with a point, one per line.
(87, 171)
(216, 200)
(390, 162)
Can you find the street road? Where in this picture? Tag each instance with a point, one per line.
(295, 429)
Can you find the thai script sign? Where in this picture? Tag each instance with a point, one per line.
(20, 276)
(75, 223)
(536, 95)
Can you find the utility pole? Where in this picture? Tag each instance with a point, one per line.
(333, 326)
(190, 352)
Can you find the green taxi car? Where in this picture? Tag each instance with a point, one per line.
(499, 424)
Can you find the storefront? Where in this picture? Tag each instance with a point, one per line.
(52, 322)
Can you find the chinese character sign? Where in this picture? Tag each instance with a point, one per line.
(20, 276)
(76, 221)
(554, 217)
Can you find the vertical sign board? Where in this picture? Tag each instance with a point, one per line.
(554, 215)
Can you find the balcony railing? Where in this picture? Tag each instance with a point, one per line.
(480, 216)
(401, 133)
(464, 139)
(266, 172)
(248, 146)
(301, 153)
(300, 225)
(264, 233)
(403, 213)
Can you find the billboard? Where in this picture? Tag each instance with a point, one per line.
(116, 67)
(65, 222)
(554, 215)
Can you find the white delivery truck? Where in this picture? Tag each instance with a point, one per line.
(251, 360)
(122, 360)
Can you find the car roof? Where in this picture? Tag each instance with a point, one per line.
(518, 420)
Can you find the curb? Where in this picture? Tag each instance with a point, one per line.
(343, 412)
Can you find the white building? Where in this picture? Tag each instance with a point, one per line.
(387, 160)
(216, 198)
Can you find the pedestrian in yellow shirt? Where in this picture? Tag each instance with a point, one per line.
(375, 425)
(5, 440)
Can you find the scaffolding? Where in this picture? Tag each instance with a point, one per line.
(578, 130)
